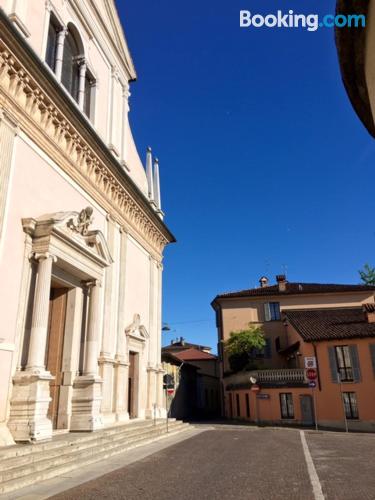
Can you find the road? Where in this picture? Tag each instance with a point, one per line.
(239, 463)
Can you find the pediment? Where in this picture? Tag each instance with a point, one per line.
(71, 228)
(136, 330)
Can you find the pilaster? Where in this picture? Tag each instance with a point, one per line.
(8, 132)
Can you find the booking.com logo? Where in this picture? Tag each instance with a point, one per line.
(311, 22)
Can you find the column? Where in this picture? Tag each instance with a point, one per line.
(30, 399)
(39, 324)
(60, 52)
(87, 389)
(90, 365)
(81, 86)
(7, 135)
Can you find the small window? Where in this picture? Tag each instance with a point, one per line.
(230, 405)
(344, 363)
(350, 405)
(272, 311)
(286, 405)
(53, 30)
(247, 400)
(70, 67)
(277, 344)
(89, 95)
(238, 405)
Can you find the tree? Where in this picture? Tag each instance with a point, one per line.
(243, 345)
(367, 275)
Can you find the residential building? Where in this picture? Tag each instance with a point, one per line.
(355, 48)
(286, 311)
(81, 227)
(205, 393)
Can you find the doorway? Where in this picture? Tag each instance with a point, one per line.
(55, 346)
(133, 385)
(307, 410)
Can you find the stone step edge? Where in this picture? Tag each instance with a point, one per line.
(33, 448)
(28, 480)
(72, 454)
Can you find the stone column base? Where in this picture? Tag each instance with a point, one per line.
(86, 403)
(121, 390)
(29, 404)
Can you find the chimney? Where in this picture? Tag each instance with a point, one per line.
(263, 282)
(369, 310)
(281, 281)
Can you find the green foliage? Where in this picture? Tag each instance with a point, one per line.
(242, 347)
(367, 275)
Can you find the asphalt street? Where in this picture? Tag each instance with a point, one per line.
(246, 463)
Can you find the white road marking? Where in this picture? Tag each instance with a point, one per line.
(314, 479)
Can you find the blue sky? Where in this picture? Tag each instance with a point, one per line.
(264, 163)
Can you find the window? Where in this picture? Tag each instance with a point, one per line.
(70, 66)
(350, 405)
(230, 405)
(344, 363)
(286, 405)
(247, 398)
(277, 344)
(89, 95)
(238, 405)
(53, 30)
(272, 311)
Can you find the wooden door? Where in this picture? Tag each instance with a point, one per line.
(131, 385)
(57, 314)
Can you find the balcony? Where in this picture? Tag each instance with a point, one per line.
(282, 377)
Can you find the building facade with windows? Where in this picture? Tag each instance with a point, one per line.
(333, 324)
(81, 226)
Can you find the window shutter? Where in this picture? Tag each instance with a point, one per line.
(267, 312)
(372, 353)
(355, 363)
(333, 364)
(268, 349)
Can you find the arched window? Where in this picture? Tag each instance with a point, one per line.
(70, 65)
(53, 30)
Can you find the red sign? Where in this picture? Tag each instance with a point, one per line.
(255, 388)
(170, 391)
(311, 374)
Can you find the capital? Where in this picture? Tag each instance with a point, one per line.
(40, 256)
(92, 283)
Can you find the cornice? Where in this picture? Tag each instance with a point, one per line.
(41, 107)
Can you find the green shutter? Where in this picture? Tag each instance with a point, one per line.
(372, 354)
(333, 365)
(355, 363)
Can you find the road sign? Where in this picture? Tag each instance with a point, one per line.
(312, 384)
(310, 362)
(311, 374)
(170, 392)
(255, 388)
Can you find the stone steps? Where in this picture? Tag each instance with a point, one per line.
(49, 461)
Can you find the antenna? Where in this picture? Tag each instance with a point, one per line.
(285, 269)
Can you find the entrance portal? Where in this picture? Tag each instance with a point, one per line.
(56, 328)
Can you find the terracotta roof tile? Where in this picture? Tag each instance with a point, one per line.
(297, 289)
(193, 355)
(330, 324)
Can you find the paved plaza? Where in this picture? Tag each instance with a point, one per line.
(235, 462)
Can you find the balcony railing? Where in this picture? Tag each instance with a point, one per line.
(282, 377)
(287, 375)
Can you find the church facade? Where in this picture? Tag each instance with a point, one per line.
(81, 227)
